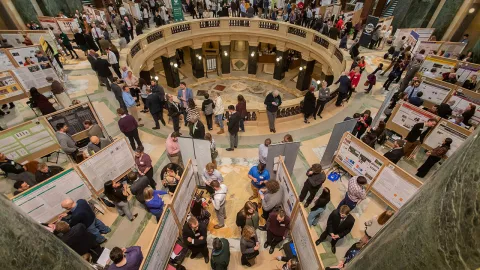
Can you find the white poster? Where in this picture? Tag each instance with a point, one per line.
(326, 2)
(43, 201)
(430, 47)
(183, 194)
(467, 70)
(444, 130)
(408, 115)
(461, 103)
(49, 23)
(109, 164)
(303, 241)
(21, 55)
(5, 63)
(452, 49)
(442, 65)
(357, 159)
(394, 188)
(358, 6)
(35, 75)
(68, 25)
(289, 197)
(424, 33)
(434, 93)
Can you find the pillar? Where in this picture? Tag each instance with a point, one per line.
(171, 72)
(305, 74)
(225, 56)
(279, 71)
(197, 62)
(379, 8)
(438, 228)
(252, 59)
(26, 245)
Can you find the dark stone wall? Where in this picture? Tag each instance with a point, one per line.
(440, 227)
(49, 8)
(26, 10)
(445, 17)
(414, 13)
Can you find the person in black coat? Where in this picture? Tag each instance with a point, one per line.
(416, 135)
(233, 127)
(354, 50)
(174, 112)
(364, 122)
(195, 237)
(309, 104)
(343, 88)
(273, 102)
(333, 33)
(396, 153)
(40, 101)
(196, 127)
(81, 41)
(91, 42)
(78, 239)
(444, 110)
(104, 73)
(155, 103)
(339, 224)
(468, 114)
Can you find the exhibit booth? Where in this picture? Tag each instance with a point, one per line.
(444, 65)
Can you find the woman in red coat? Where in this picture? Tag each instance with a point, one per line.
(354, 76)
(41, 102)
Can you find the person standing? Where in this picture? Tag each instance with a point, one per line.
(396, 153)
(132, 83)
(219, 109)
(155, 103)
(468, 114)
(191, 110)
(195, 237)
(354, 76)
(174, 112)
(211, 174)
(271, 195)
(104, 73)
(323, 96)
(126, 258)
(363, 124)
(355, 192)
(173, 148)
(339, 224)
(131, 105)
(233, 127)
(59, 92)
(81, 212)
(139, 183)
(319, 207)
(241, 109)
(258, 176)
(144, 165)
(263, 151)
(248, 216)
(207, 109)
(315, 179)
(249, 245)
(197, 129)
(113, 61)
(416, 135)
(154, 202)
(272, 101)
(343, 88)
(374, 225)
(220, 253)
(129, 127)
(93, 129)
(97, 35)
(278, 226)
(143, 86)
(118, 194)
(68, 45)
(309, 105)
(128, 27)
(219, 200)
(67, 144)
(434, 156)
(118, 93)
(183, 95)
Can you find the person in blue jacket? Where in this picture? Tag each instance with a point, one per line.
(343, 88)
(153, 201)
(184, 94)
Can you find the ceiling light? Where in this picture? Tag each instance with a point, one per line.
(175, 65)
(156, 78)
(471, 10)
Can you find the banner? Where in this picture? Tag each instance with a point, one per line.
(368, 31)
(177, 11)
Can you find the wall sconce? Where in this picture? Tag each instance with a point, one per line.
(156, 78)
(318, 82)
(171, 63)
(252, 54)
(301, 68)
(278, 59)
(304, 67)
(225, 53)
(199, 57)
(471, 10)
(175, 65)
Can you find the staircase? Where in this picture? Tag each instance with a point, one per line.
(389, 8)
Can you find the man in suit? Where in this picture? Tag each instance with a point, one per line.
(197, 129)
(417, 135)
(233, 127)
(155, 103)
(66, 141)
(104, 73)
(333, 33)
(118, 92)
(343, 88)
(396, 153)
(444, 110)
(184, 94)
(78, 238)
(174, 112)
(195, 236)
(339, 224)
(92, 57)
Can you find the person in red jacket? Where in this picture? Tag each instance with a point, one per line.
(278, 226)
(339, 24)
(354, 76)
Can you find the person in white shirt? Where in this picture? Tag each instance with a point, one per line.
(218, 112)
(113, 61)
(146, 17)
(263, 151)
(458, 120)
(376, 223)
(209, 175)
(219, 200)
(431, 74)
(97, 34)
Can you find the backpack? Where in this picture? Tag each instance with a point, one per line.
(209, 109)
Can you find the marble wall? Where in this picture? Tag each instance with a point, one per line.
(439, 228)
(26, 10)
(445, 17)
(24, 244)
(49, 8)
(414, 13)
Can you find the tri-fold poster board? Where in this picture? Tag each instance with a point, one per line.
(462, 98)
(303, 240)
(198, 151)
(405, 116)
(290, 196)
(43, 201)
(435, 92)
(445, 129)
(184, 193)
(386, 180)
(441, 64)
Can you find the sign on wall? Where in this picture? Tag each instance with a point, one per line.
(368, 30)
(177, 11)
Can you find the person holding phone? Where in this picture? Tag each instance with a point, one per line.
(258, 176)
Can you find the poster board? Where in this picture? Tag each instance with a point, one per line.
(48, 23)
(424, 34)
(6, 63)
(394, 186)
(304, 243)
(198, 151)
(42, 202)
(290, 196)
(445, 129)
(111, 163)
(74, 117)
(405, 115)
(442, 65)
(357, 158)
(161, 246)
(434, 91)
(288, 151)
(28, 141)
(10, 88)
(182, 198)
(430, 47)
(35, 76)
(19, 54)
(412, 39)
(68, 26)
(385, 21)
(466, 70)
(452, 49)
(335, 138)
(463, 98)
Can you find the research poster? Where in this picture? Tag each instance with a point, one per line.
(161, 249)
(467, 70)
(22, 54)
(50, 23)
(452, 49)
(430, 47)
(289, 197)
(447, 130)
(9, 87)
(393, 187)
(442, 65)
(356, 158)
(68, 25)
(434, 93)
(25, 140)
(108, 164)
(35, 75)
(73, 118)
(43, 201)
(5, 63)
(461, 103)
(183, 194)
(408, 115)
(303, 242)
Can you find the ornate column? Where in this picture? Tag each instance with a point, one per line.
(252, 58)
(171, 69)
(304, 79)
(225, 56)
(197, 61)
(438, 228)
(279, 71)
(26, 245)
